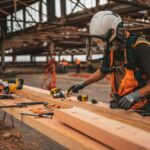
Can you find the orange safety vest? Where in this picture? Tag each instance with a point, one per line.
(128, 82)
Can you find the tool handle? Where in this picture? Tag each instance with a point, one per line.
(10, 106)
(46, 114)
(25, 104)
(21, 83)
(11, 81)
(31, 103)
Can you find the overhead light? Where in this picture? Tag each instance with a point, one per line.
(45, 44)
(147, 21)
(142, 11)
(24, 44)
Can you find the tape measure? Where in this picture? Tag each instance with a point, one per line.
(85, 98)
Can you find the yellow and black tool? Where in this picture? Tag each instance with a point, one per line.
(15, 85)
(54, 91)
(8, 87)
(58, 93)
(85, 98)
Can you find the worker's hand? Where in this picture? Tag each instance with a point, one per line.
(76, 88)
(114, 104)
(129, 100)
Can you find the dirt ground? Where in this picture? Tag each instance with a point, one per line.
(31, 139)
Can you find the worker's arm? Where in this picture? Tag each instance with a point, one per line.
(98, 75)
(145, 91)
(143, 55)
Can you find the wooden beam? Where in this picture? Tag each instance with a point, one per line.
(52, 128)
(127, 117)
(110, 132)
(114, 134)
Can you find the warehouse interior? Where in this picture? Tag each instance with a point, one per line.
(42, 42)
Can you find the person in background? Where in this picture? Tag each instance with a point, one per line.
(65, 66)
(77, 62)
(49, 80)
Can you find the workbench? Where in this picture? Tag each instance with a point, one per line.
(82, 125)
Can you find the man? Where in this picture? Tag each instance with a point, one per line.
(77, 62)
(126, 57)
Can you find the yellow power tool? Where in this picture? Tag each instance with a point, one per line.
(8, 87)
(15, 85)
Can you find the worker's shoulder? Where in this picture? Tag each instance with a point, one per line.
(141, 42)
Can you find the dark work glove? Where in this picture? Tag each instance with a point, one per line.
(114, 104)
(76, 88)
(129, 100)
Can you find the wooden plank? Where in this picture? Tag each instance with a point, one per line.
(53, 128)
(128, 117)
(110, 132)
(105, 130)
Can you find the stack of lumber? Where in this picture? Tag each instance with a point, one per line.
(81, 126)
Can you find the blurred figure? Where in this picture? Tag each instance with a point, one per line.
(49, 80)
(64, 66)
(77, 62)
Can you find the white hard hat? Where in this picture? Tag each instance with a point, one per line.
(103, 21)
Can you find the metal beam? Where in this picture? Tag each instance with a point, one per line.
(63, 9)
(3, 37)
(12, 25)
(29, 6)
(40, 11)
(30, 15)
(2, 19)
(132, 3)
(24, 17)
(97, 4)
(16, 19)
(51, 10)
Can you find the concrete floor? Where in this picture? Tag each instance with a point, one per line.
(34, 139)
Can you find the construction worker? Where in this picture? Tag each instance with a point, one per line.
(126, 58)
(49, 80)
(65, 66)
(77, 62)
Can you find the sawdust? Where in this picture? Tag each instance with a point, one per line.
(11, 139)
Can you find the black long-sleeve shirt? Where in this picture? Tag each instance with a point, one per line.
(142, 52)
